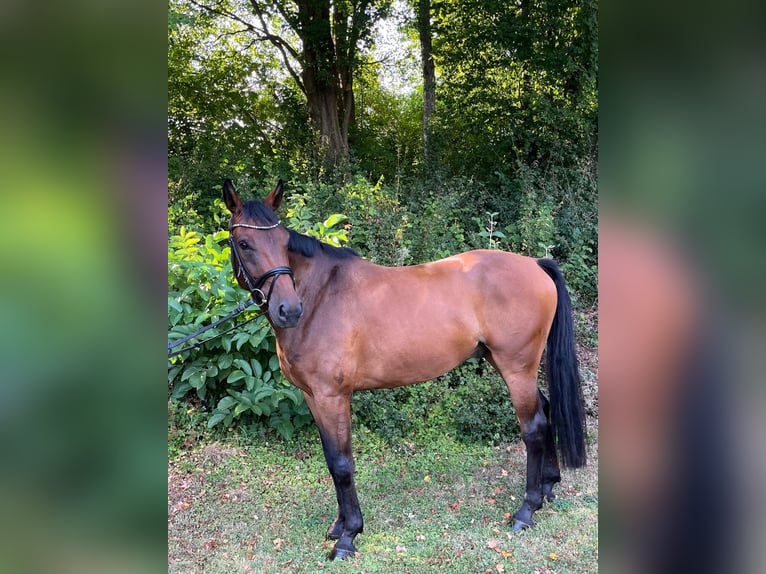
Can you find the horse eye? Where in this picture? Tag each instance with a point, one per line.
(244, 245)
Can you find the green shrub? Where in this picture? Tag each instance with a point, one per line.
(480, 405)
(441, 209)
(236, 376)
(554, 216)
(470, 403)
(379, 223)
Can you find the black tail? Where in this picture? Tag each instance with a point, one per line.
(567, 417)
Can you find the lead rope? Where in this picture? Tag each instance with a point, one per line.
(231, 315)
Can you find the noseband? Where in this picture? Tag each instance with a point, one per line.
(255, 285)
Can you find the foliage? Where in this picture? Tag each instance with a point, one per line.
(510, 166)
(229, 110)
(555, 215)
(387, 135)
(236, 374)
(470, 403)
(517, 82)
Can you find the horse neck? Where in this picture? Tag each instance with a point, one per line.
(312, 275)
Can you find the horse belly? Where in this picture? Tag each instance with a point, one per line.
(412, 356)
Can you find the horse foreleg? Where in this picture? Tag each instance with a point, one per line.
(333, 417)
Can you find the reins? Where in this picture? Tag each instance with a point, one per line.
(234, 313)
(258, 297)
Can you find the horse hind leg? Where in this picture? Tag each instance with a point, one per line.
(551, 470)
(533, 434)
(529, 404)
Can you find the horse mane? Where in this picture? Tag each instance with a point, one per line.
(298, 243)
(309, 246)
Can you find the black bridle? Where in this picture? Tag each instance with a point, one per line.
(255, 286)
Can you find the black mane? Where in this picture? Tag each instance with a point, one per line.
(305, 245)
(309, 246)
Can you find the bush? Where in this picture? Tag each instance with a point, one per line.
(470, 403)
(379, 224)
(236, 376)
(555, 217)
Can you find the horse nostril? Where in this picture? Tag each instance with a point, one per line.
(282, 313)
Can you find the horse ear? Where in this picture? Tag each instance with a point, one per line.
(230, 198)
(274, 199)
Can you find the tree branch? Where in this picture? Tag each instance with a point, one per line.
(263, 34)
(280, 44)
(226, 14)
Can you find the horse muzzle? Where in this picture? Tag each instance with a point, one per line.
(287, 315)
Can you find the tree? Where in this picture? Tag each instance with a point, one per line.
(318, 42)
(517, 82)
(428, 68)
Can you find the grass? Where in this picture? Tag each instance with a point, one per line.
(263, 505)
(241, 504)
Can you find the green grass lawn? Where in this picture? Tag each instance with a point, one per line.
(259, 505)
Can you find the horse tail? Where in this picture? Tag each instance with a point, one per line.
(567, 413)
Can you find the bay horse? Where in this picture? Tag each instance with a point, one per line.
(344, 324)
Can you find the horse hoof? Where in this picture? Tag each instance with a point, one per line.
(341, 553)
(518, 525)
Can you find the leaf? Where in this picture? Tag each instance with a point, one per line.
(244, 365)
(241, 339)
(180, 390)
(197, 380)
(173, 372)
(215, 419)
(257, 368)
(334, 219)
(226, 403)
(225, 361)
(235, 376)
(189, 372)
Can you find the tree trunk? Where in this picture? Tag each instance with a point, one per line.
(429, 72)
(329, 32)
(321, 78)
